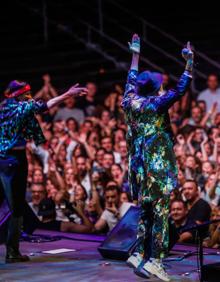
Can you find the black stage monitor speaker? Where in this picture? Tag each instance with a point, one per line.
(122, 240)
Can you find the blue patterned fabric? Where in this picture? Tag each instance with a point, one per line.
(152, 164)
(149, 135)
(18, 123)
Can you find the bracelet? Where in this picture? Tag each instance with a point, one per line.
(189, 65)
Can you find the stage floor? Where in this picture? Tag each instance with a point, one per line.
(85, 264)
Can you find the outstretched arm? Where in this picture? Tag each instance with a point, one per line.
(34, 107)
(72, 92)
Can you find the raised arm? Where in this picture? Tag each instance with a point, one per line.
(168, 99)
(202, 146)
(131, 100)
(155, 103)
(134, 47)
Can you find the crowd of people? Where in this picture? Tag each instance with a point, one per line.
(78, 180)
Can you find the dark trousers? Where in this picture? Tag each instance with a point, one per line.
(13, 181)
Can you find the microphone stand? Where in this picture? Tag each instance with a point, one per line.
(199, 228)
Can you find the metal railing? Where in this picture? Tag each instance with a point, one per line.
(147, 42)
(89, 41)
(92, 45)
(146, 24)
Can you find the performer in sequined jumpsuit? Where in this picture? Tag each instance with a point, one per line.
(152, 164)
(17, 125)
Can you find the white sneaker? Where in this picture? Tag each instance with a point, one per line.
(155, 266)
(134, 260)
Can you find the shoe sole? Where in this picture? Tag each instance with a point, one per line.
(15, 261)
(151, 270)
(141, 274)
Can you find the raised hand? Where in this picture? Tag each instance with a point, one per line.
(79, 207)
(188, 55)
(180, 139)
(187, 52)
(77, 91)
(134, 45)
(113, 209)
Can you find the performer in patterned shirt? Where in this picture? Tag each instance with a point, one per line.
(17, 125)
(152, 164)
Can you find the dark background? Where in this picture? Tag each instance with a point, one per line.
(71, 52)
